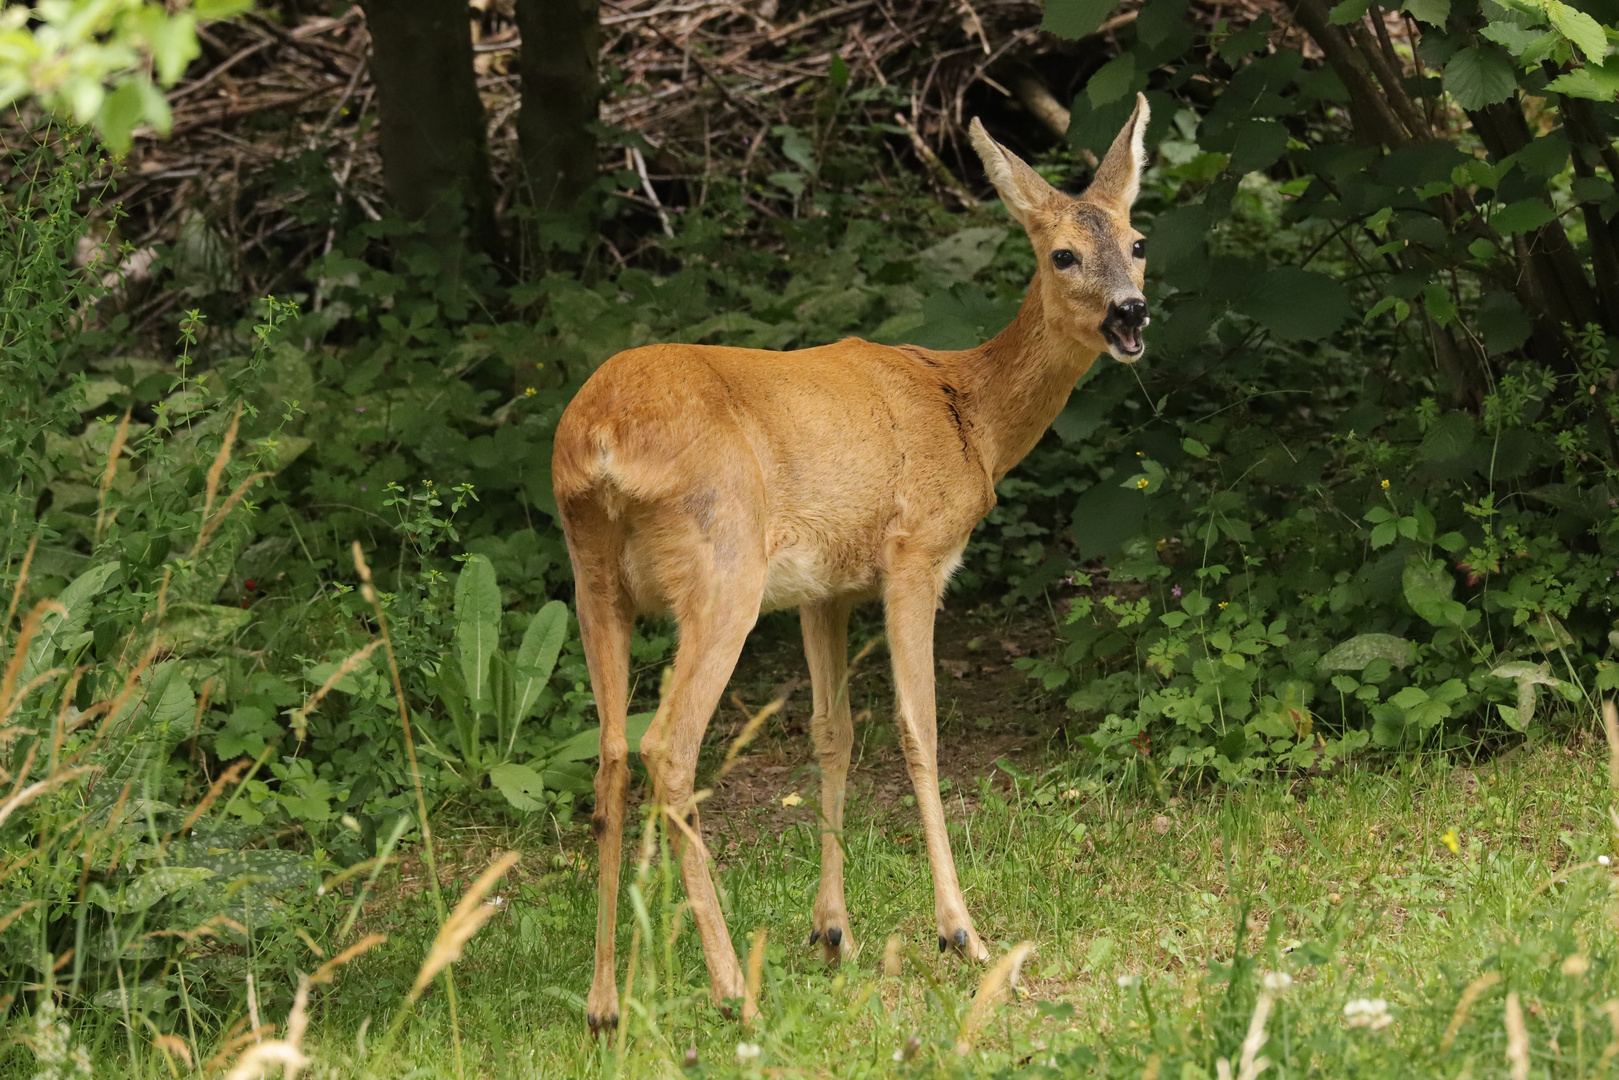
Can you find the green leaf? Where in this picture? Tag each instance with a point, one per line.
(1362, 649)
(477, 624)
(587, 744)
(1478, 77)
(1449, 438)
(1502, 322)
(1298, 305)
(1432, 12)
(1581, 29)
(1348, 12)
(1428, 587)
(1437, 299)
(1590, 82)
(197, 628)
(56, 627)
(1510, 36)
(1112, 80)
(537, 656)
(1522, 216)
(569, 776)
(797, 148)
(154, 885)
(120, 111)
(173, 40)
(520, 785)
(1400, 307)
(1074, 18)
(211, 10)
(1258, 145)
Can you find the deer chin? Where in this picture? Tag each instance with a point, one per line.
(1123, 343)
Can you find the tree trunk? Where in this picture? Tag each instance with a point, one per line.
(560, 91)
(435, 160)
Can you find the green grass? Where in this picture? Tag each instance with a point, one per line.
(1345, 880)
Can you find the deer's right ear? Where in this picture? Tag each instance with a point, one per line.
(1023, 190)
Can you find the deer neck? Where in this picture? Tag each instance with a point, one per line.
(1014, 385)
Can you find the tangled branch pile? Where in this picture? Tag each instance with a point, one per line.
(274, 140)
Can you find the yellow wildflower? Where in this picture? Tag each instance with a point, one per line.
(1385, 485)
(1142, 482)
(1450, 841)
(529, 392)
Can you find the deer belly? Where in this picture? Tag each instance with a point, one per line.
(799, 574)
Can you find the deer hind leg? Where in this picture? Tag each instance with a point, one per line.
(714, 617)
(826, 646)
(606, 615)
(911, 594)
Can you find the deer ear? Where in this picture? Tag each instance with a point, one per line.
(1023, 190)
(1118, 178)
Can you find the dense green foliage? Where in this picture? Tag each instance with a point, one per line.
(1359, 499)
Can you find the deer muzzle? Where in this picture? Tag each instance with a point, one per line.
(1122, 328)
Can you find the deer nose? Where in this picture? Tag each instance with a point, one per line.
(1131, 313)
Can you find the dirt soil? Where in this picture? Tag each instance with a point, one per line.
(988, 709)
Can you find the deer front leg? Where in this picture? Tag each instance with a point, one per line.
(826, 647)
(911, 595)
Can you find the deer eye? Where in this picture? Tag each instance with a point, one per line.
(1140, 249)
(1062, 259)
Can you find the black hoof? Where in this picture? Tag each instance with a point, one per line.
(815, 935)
(961, 939)
(943, 944)
(599, 1023)
(834, 937)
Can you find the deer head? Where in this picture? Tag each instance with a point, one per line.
(1090, 261)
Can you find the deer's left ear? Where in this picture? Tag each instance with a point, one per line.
(1118, 178)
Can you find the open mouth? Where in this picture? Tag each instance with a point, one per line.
(1124, 341)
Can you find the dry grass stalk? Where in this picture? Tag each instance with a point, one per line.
(328, 971)
(756, 966)
(287, 1053)
(1474, 991)
(216, 471)
(891, 957)
(40, 787)
(211, 526)
(22, 581)
(351, 663)
(109, 474)
(19, 653)
(1155, 1064)
(1610, 728)
(1004, 973)
(175, 1046)
(1251, 1064)
(1611, 1008)
(47, 676)
(467, 918)
(1517, 1039)
(229, 776)
(16, 913)
(749, 730)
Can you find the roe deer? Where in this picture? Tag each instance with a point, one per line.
(718, 483)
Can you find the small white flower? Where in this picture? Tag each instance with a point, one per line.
(1603, 860)
(1277, 982)
(1367, 1013)
(1129, 982)
(746, 1052)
